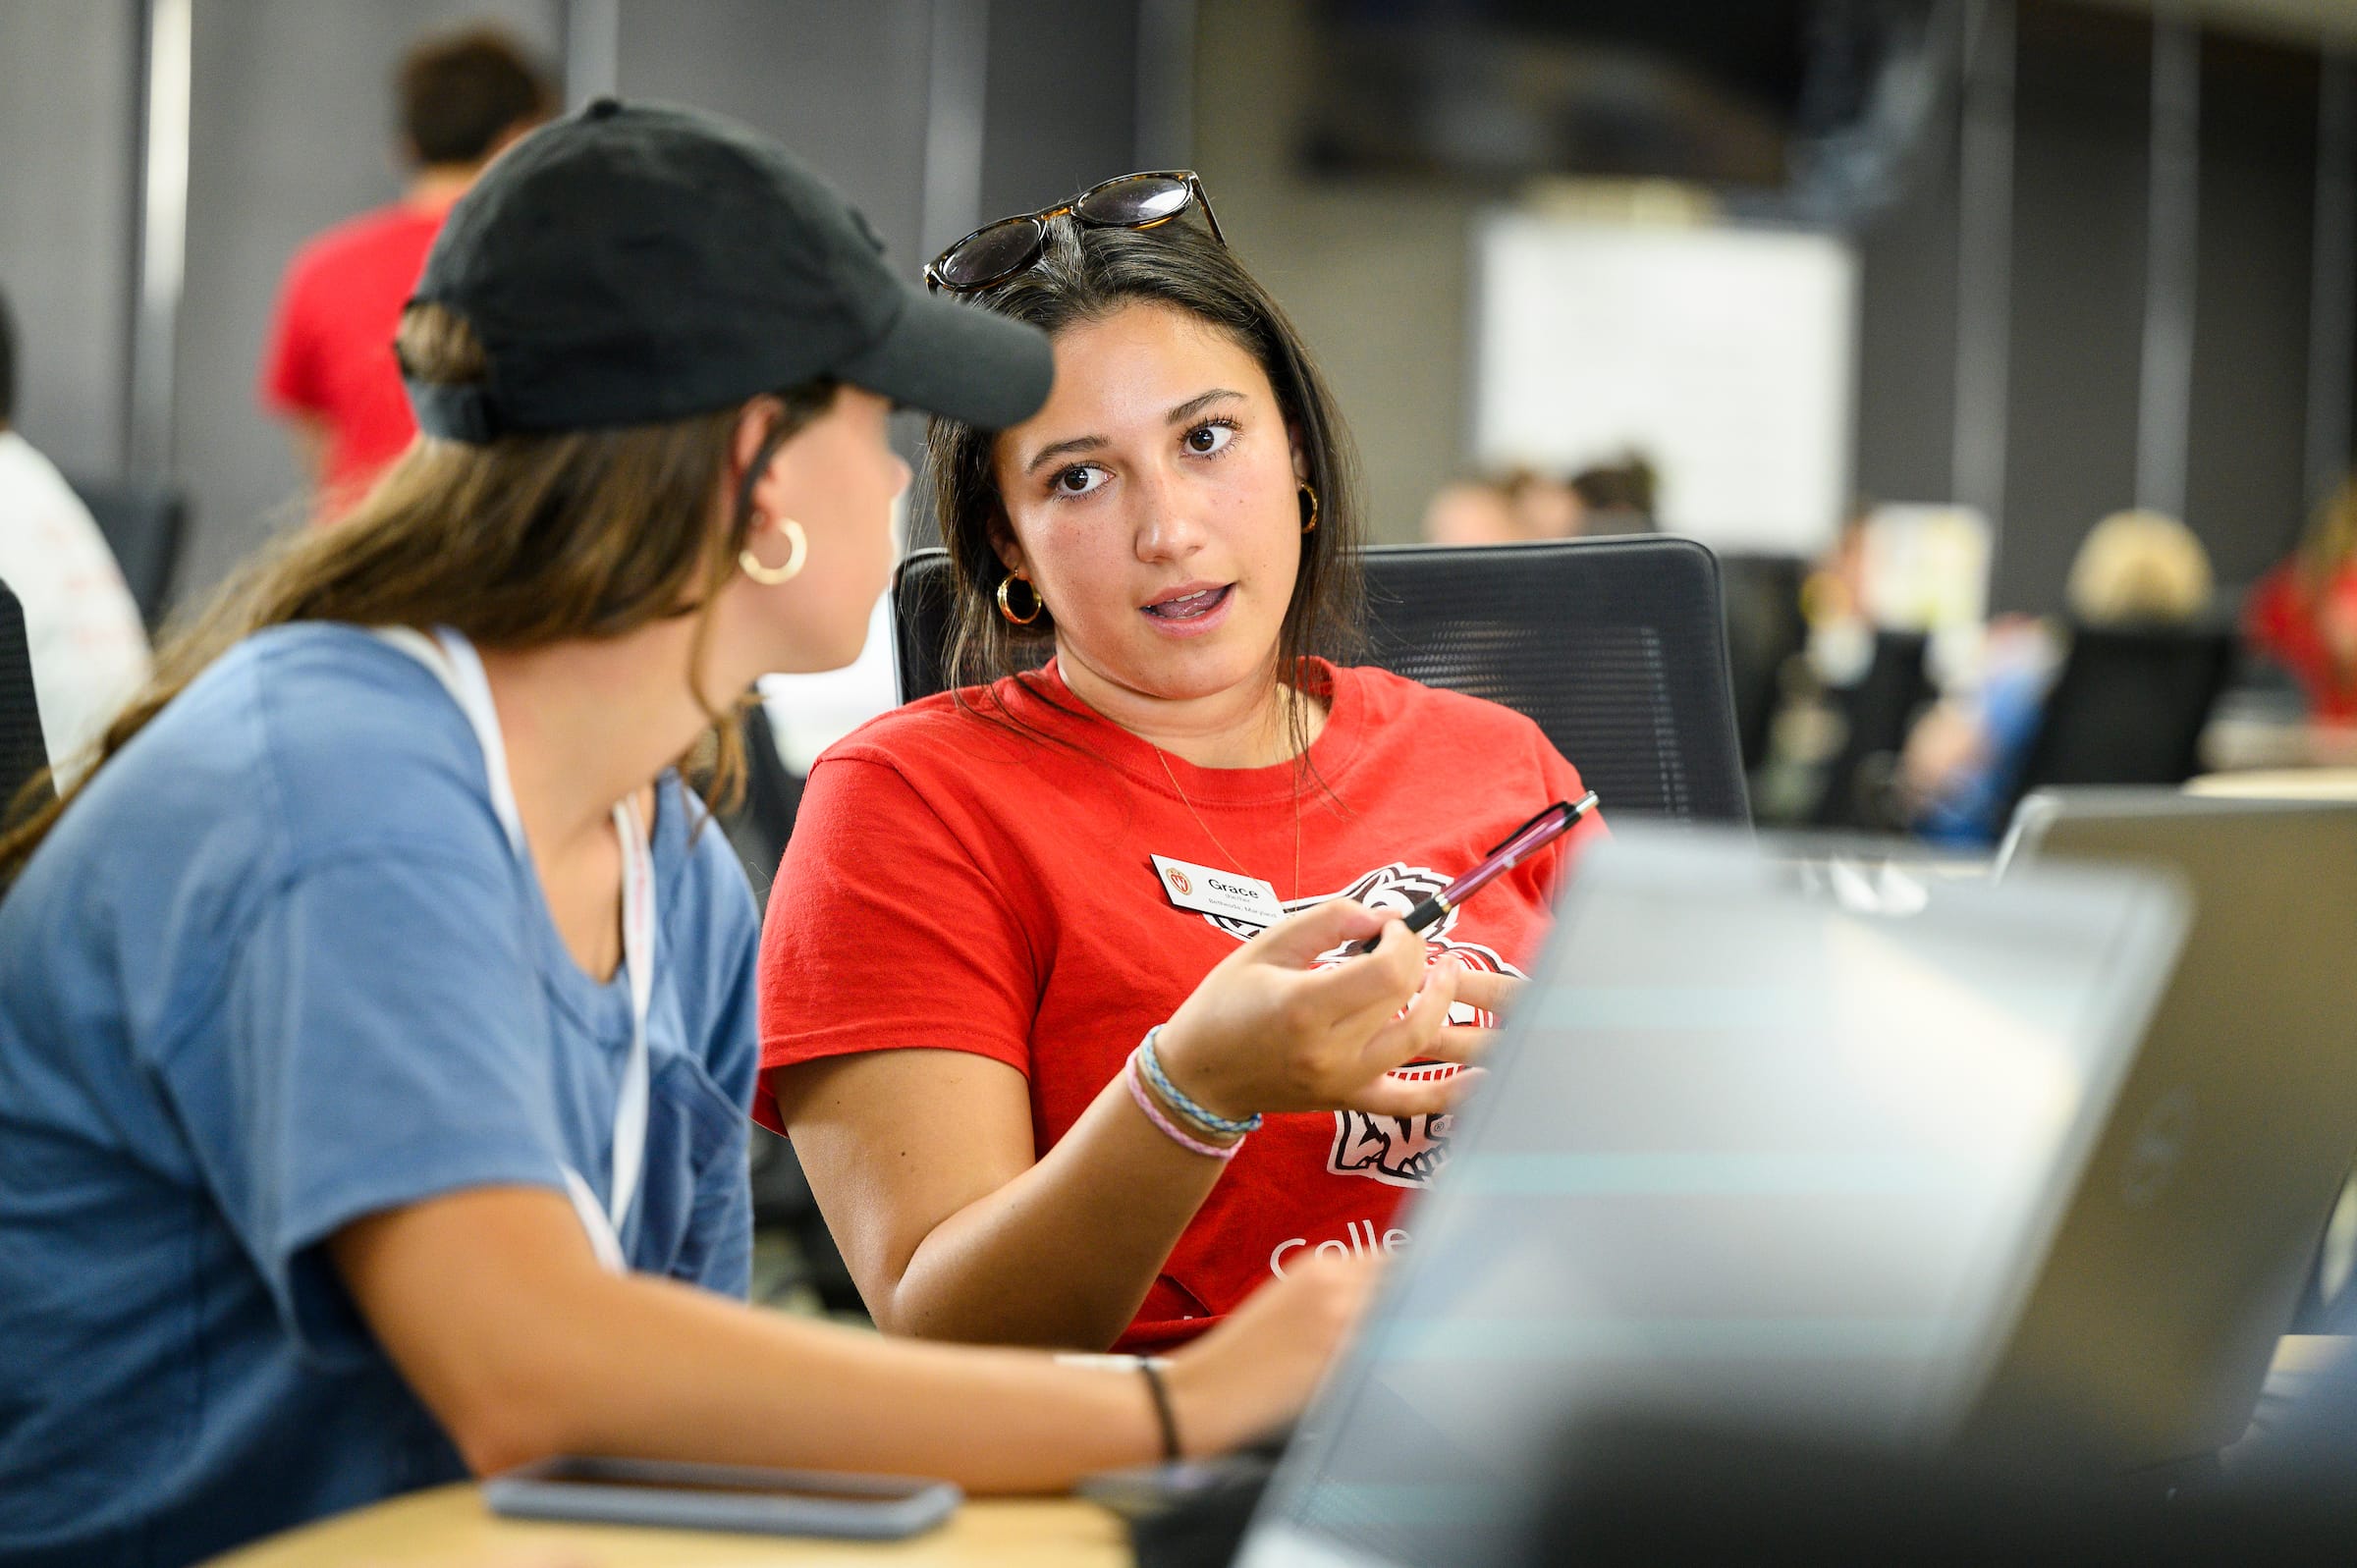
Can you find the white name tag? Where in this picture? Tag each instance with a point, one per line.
(1228, 893)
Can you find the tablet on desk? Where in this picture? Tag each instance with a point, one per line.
(732, 1498)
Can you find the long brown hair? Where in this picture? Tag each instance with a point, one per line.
(530, 540)
(1085, 274)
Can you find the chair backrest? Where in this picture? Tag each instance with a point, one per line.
(2128, 707)
(1764, 628)
(761, 822)
(144, 527)
(1616, 647)
(23, 752)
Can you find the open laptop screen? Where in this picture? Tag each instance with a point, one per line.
(1768, 1142)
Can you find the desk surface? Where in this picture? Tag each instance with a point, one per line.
(2285, 783)
(450, 1528)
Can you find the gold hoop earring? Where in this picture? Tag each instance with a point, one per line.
(1006, 606)
(1309, 523)
(797, 553)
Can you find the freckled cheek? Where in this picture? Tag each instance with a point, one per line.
(1259, 528)
(1080, 560)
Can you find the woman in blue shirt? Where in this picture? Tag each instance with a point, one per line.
(376, 1015)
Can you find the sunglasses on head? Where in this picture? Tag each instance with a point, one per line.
(998, 251)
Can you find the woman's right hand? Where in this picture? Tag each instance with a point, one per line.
(1256, 1371)
(1265, 1032)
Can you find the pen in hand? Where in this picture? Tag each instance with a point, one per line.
(1519, 845)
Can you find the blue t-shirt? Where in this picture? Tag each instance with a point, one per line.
(275, 971)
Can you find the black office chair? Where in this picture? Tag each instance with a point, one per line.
(2128, 709)
(1878, 712)
(1764, 628)
(757, 829)
(1616, 647)
(23, 752)
(144, 527)
(760, 824)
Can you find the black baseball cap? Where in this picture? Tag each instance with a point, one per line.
(636, 263)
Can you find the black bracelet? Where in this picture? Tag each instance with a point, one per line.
(1162, 1408)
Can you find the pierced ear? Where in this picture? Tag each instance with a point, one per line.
(754, 421)
(999, 534)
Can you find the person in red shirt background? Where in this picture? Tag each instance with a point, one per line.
(2303, 614)
(969, 934)
(328, 370)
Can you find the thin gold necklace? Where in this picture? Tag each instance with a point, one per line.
(1234, 859)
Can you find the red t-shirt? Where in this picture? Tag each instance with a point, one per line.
(2287, 623)
(330, 347)
(954, 886)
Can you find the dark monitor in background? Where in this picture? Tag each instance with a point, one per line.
(1778, 99)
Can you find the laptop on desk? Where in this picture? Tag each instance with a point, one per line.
(2206, 1197)
(1763, 1143)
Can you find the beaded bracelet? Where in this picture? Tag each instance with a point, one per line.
(1186, 1108)
(1169, 1128)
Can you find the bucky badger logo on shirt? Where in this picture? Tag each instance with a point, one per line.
(1397, 1151)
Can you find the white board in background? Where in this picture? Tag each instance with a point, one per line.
(1724, 355)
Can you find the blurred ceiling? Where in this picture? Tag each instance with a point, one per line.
(2298, 22)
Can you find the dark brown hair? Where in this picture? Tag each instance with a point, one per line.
(532, 540)
(1086, 274)
(461, 92)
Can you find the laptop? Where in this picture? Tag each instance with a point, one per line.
(2208, 1192)
(1770, 1143)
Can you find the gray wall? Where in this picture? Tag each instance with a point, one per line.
(67, 72)
(842, 85)
(291, 128)
(2080, 169)
(2244, 486)
(290, 133)
(1377, 276)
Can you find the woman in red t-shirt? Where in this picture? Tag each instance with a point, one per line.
(2303, 614)
(971, 932)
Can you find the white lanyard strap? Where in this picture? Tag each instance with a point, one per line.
(638, 962)
(454, 662)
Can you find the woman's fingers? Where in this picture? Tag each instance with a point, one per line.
(1407, 1035)
(1377, 983)
(1415, 1095)
(1459, 1042)
(1297, 941)
(1489, 990)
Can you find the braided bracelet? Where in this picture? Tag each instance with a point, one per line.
(1186, 1108)
(1169, 1128)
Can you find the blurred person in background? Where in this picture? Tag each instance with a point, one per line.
(328, 371)
(1470, 512)
(90, 651)
(1616, 497)
(2135, 569)
(1808, 729)
(2303, 614)
(1514, 506)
